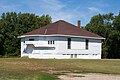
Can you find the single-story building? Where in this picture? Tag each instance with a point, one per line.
(61, 40)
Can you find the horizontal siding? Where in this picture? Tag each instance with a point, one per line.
(77, 47)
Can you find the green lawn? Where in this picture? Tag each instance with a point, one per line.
(40, 69)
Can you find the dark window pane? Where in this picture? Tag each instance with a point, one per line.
(48, 42)
(31, 39)
(69, 43)
(87, 43)
(53, 42)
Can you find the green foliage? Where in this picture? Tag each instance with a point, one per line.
(116, 22)
(14, 75)
(13, 24)
(46, 76)
(108, 26)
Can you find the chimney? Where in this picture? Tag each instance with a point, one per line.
(79, 24)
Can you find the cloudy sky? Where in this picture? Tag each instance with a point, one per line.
(69, 10)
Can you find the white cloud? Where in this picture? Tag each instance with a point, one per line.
(94, 9)
(52, 4)
(68, 10)
(62, 16)
(58, 10)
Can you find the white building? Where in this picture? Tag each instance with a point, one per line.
(61, 40)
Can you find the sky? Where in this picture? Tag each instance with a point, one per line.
(68, 10)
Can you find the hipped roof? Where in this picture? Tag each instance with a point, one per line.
(62, 28)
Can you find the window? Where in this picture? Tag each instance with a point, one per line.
(69, 43)
(51, 42)
(48, 42)
(75, 55)
(87, 43)
(31, 39)
(71, 55)
(94, 54)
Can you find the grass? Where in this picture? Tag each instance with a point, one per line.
(5, 75)
(42, 69)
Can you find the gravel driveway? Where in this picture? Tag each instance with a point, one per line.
(89, 76)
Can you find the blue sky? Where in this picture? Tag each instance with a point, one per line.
(68, 10)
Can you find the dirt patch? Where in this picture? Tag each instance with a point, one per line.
(89, 76)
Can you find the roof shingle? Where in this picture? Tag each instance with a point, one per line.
(63, 28)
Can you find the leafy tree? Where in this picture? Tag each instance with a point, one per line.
(102, 25)
(13, 24)
(114, 50)
(108, 26)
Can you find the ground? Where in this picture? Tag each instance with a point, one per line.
(52, 69)
(89, 76)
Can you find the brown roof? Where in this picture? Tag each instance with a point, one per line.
(63, 28)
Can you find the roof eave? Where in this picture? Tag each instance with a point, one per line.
(22, 36)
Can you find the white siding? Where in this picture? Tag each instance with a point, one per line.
(95, 47)
(23, 47)
(77, 43)
(61, 43)
(78, 48)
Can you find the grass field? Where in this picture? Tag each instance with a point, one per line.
(42, 69)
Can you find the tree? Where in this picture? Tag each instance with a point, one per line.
(102, 25)
(114, 50)
(13, 24)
